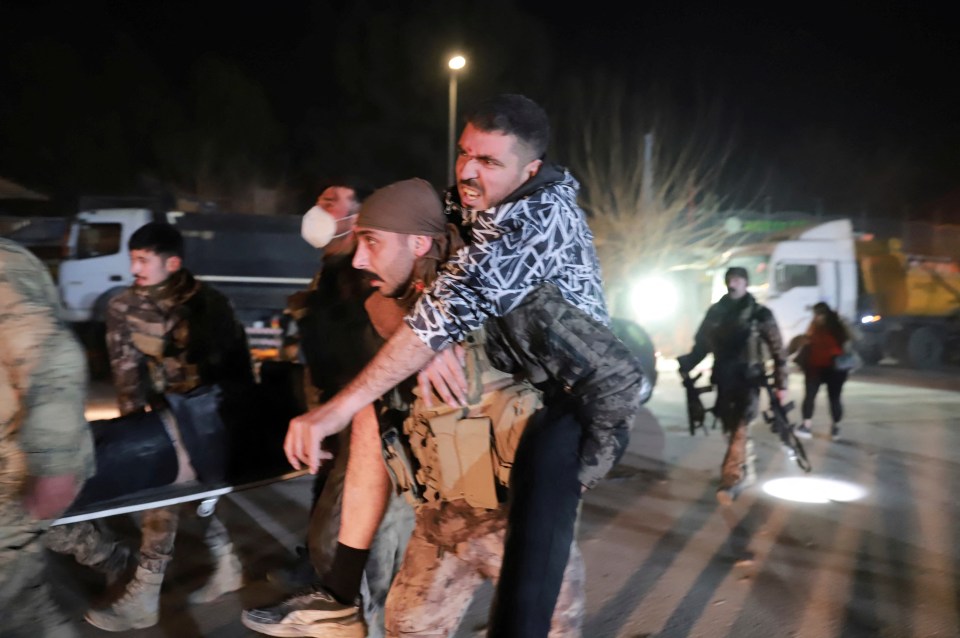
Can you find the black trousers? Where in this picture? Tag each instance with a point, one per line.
(813, 379)
(544, 499)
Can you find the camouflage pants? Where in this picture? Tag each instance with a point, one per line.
(437, 583)
(737, 407)
(89, 544)
(26, 607)
(86, 541)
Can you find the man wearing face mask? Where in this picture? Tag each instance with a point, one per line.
(328, 226)
(336, 340)
(530, 276)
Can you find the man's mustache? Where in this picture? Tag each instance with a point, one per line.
(369, 275)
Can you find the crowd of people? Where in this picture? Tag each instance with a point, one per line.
(473, 391)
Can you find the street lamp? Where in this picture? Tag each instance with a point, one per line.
(455, 63)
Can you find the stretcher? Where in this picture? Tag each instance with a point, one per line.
(193, 447)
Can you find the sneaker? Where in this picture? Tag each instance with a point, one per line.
(293, 577)
(835, 433)
(803, 431)
(311, 612)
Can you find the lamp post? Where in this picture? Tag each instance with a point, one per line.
(455, 63)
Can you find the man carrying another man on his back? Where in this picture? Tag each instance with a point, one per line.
(531, 279)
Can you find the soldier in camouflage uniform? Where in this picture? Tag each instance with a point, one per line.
(168, 333)
(46, 450)
(334, 305)
(742, 335)
(529, 272)
(456, 544)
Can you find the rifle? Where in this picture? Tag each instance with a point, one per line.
(696, 412)
(778, 419)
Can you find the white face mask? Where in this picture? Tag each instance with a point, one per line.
(319, 228)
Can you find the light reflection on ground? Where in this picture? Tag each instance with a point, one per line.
(810, 489)
(97, 414)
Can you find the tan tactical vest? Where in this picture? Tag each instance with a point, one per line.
(465, 452)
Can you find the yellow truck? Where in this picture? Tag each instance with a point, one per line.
(902, 305)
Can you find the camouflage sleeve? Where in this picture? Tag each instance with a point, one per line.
(125, 359)
(42, 371)
(555, 341)
(770, 332)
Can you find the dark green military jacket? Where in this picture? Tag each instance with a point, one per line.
(742, 335)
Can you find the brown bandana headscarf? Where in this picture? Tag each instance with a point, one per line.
(410, 207)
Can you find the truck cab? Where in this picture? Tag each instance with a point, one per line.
(97, 263)
(256, 261)
(792, 272)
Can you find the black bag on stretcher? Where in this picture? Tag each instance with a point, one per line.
(189, 446)
(185, 440)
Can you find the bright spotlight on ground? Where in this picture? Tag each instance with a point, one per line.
(654, 299)
(809, 489)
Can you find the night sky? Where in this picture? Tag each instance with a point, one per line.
(851, 109)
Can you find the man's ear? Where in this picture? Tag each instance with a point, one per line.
(172, 264)
(422, 244)
(533, 168)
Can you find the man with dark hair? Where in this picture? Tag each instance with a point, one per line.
(403, 239)
(742, 335)
(46, 451)
(169, 333)
(334, 305)
(459, 487)
(163, 240)
(529, 276)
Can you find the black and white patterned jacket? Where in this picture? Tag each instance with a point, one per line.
(537, 235)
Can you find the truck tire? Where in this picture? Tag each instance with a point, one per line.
(925, 347)
(870, 350)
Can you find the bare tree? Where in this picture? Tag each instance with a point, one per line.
(648, 188)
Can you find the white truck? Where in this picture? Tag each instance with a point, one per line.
(903, 306)
(257, 261)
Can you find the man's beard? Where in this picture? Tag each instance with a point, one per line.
(396, 292)
(399, 291)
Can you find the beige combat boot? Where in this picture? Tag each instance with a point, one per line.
(117, 567)
(227, 577)
(139, 606)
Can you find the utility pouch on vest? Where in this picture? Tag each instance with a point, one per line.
(465, 453)
(509, 411)
(400, 464)
(455, 457)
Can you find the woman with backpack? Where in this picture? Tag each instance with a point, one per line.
(825, 359)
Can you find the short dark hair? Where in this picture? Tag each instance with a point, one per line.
(361, 188)
(736, 271)
(514, 115)
(159, 237)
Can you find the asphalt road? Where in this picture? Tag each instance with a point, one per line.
(663, 559)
